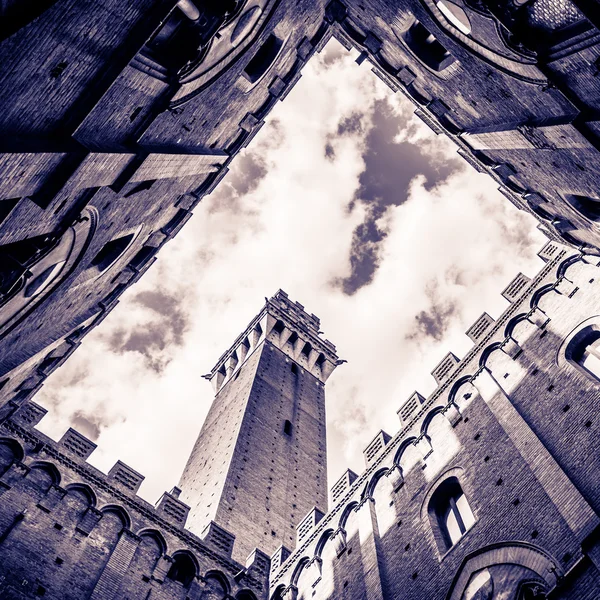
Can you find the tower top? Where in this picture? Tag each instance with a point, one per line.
(290, 328)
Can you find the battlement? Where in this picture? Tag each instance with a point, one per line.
(65, 463)
(289, 327)
(459, 383)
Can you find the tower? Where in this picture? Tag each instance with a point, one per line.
(259, 464)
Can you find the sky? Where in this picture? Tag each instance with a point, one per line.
(349, 203)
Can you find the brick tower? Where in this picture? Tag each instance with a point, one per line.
(259, 464)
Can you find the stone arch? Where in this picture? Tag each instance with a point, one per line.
(580, 272)
(516, 553)
(539, 293)
(218, 576)
(300, 565)
(184, 568)
(84, 489)
(483, 358)
(429, 417)
(456, 395)
(10, 451)
(447, 496)
(49, 469)
(120, 512)
(346, 514)
(278, 593)
(156, 535)
(453, 472)
(510, 326)
(565, 264)
(370, 488)
(401, 449)
(325, 537)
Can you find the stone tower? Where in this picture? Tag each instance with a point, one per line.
(259, 464)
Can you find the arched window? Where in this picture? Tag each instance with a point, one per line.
(584, 350)
(427, 48)
(182, 570)
(587, 206)
(450, 514)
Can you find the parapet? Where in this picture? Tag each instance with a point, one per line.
(219, 537)
(290, 328)
(375, 446)
(410, 408)
(77, 443)
(515, 287)
(342, 485)
(174, 509)
(123, 475)
(116, 492)
(480, 327)
(309, 521)
(445, 367)
(457, 386)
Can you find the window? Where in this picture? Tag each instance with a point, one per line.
(263, 59)
(450, 514)
(43, 280)
(584, 351)
(287, 427)
(112, 251)
(588, 207)
(182, 570)
(426, 47)
(531, 591)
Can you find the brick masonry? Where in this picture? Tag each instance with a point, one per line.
(112, 131)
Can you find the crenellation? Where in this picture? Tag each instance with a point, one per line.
(77, 443)
(445, 367)
(423, 443)
(103, 165)
(407, 411)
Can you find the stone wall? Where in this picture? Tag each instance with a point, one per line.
(514, 423)
(69, 531)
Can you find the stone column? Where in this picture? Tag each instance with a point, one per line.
(368, 533)
(576, 512)
(112, 576)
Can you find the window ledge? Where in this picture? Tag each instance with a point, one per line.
(441, 557)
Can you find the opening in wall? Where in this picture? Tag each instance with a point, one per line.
(261, 62)
(583, 351)
(450, 514)
(427, 48)
(111, 251)
(585, 205)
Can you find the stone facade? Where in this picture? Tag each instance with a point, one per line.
(513, 425)
(68, 531)
(117, 119)
(259, 464)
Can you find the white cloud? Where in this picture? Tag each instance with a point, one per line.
(452, 248)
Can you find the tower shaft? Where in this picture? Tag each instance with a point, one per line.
(259, 464)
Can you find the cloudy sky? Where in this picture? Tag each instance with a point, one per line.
(350, 204)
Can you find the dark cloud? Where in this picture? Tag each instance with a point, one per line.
(434, 323)
(163, 328)
(351, 125)
(329, 151)
(88, 427)
(389, 169)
